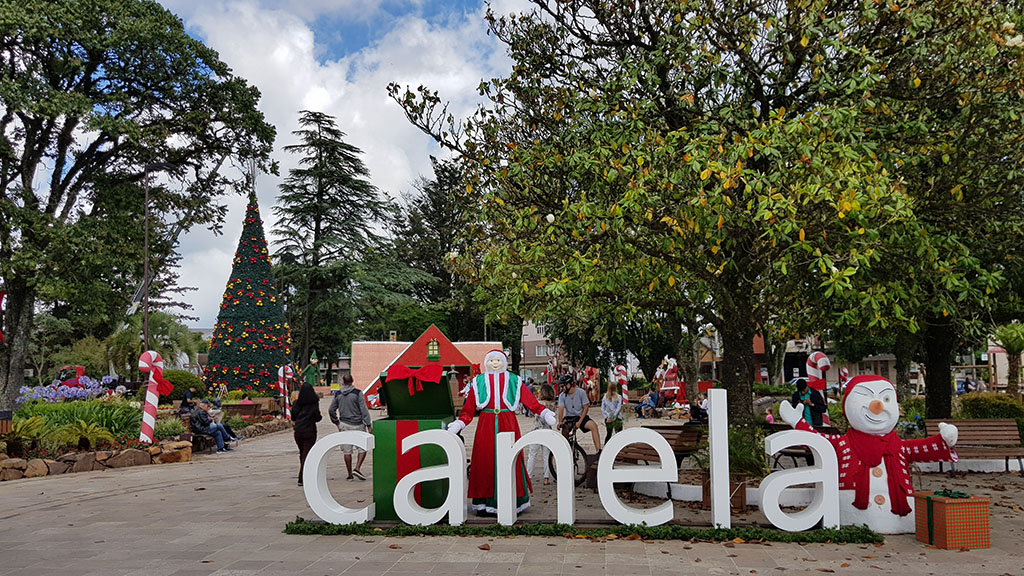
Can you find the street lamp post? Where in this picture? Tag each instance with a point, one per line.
(146, 171)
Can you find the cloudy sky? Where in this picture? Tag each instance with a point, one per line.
(337, 56)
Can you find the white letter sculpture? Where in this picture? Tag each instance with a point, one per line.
(607, 476)
(314, 479)
(404, 498)
(506, 489)
(824, 473)
(718, 452)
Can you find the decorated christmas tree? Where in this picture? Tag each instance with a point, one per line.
(251, 339)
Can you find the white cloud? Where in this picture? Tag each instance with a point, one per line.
(272, 45)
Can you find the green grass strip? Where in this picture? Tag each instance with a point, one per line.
(848, 535)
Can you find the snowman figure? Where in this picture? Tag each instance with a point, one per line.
(874, 478)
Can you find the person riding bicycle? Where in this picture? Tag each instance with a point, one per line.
(573, 403)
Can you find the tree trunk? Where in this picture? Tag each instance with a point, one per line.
(939, 339)
(775, 358)
(903, 348)
(516, 343)
(1013, 373)
(17, 333)
(737, 373)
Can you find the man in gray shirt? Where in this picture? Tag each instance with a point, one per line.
(348, 411)
(574, 403)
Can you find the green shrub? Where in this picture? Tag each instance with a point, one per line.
(117, 416)
(235, 394)
(990, 405)
(762, 389)
(85, 435)
(182, 380)
(235, 422)
(836, 416)
(168, 428)
(638, 384)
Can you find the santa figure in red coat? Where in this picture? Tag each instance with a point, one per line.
(874, 475)
(496, 395)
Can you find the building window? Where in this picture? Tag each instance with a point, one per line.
(541, 328)
(433, 350)
(542, 351)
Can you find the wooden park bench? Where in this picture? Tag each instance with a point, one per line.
(684, 441)
(200, 442)
(984, 439)
(243, 411)
(796, 452)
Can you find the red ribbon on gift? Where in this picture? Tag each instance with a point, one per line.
(429, 373)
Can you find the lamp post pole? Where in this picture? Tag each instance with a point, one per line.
(146, 171)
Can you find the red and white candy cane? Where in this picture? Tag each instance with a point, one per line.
(153, 363)
(623, 378)
(817, 365)
(284, 374)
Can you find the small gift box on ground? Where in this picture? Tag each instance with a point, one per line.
(951, 520)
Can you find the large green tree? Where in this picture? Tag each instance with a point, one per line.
(656, 155)
(92, 93)
(328, 214)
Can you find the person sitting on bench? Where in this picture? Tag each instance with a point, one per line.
(203, 424)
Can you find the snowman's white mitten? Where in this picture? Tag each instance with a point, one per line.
(549, 417)
(790, 414)
(949, 433)
(456, 426)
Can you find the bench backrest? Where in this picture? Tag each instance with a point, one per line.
(680, 437)
(980, 432)
(242, 410)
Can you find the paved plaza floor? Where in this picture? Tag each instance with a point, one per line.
(223, 515)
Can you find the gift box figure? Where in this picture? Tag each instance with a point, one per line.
(417, 399)
(951, 520)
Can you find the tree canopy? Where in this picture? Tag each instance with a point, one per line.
(91, 94)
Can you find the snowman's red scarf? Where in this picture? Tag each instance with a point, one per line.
(871, 449)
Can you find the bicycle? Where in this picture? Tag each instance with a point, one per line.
(579, 455)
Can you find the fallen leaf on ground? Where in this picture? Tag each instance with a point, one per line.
(633, 537)
(825, 570)
(394, 546)
(844, 565)
(484, 546)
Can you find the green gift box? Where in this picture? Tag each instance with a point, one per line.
(390, 465)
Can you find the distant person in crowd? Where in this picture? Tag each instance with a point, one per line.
(699, 409)
(348, 411)
(546, 396)
(217, 414)
(768, 417)
(611, 409)
(188, 403)
(573, 402)
(646, 406)
(245, 399)
(305, 415)
(811, 400)
(201, 423)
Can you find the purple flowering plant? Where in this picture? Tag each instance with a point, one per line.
(58, 392)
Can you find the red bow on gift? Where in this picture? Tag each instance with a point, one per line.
(429, 373)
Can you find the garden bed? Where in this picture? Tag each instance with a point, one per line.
(141, 455)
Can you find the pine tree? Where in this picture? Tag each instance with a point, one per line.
(251, 339)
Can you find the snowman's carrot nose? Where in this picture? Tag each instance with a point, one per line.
(876, 407)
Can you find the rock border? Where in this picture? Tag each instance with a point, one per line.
(166, 452)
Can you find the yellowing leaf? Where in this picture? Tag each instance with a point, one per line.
(721, 221)
(804, 41)
(640, 161)
(917, 82)
(650, 287)
(714, 249)
(469, 188)
(944, 312)
(705, 174)
(671, 281)
(802, 235)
